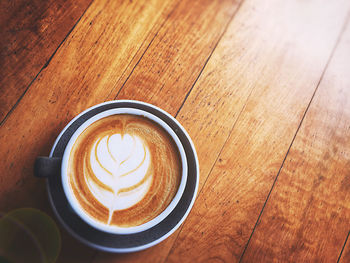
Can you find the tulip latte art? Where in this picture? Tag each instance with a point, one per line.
(124, 170)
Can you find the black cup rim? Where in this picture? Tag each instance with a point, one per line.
(122, 243)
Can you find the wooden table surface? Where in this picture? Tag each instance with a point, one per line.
(262, 87)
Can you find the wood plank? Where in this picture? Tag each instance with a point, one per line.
(167, 72)
(308, 213)
(345, 256)
(176, 57)
(30, 33)
(82, 73)
(270, 50)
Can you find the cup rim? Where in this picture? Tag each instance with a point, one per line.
(114, 229)
(115, 243)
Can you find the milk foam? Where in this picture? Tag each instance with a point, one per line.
(120, 162)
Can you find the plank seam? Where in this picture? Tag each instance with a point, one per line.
(43, 67)
(206, 62)
(187, 95)
(342, 250)
(218, 157)
(228, 137)
(132, 71)
(295, 135)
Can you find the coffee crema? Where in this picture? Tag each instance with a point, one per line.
(124, 170)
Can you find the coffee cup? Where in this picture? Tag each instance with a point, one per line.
(115, 159)
(128, 154)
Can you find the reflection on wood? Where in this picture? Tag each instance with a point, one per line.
(308, 213)
(281, 61)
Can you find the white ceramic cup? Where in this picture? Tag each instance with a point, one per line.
(75, 204)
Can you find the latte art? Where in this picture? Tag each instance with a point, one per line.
(124, 170)
(122, 163)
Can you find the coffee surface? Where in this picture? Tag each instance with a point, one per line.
(124, 170)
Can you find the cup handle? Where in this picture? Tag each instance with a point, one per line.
(47, 166)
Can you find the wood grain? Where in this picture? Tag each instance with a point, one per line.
(240, 91)
(278, 51)
(308, 212)
(30, 33)
(82, 73)
(176, 56)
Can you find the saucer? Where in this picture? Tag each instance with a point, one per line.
(122, 243)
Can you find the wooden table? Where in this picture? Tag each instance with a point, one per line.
(262, 87)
